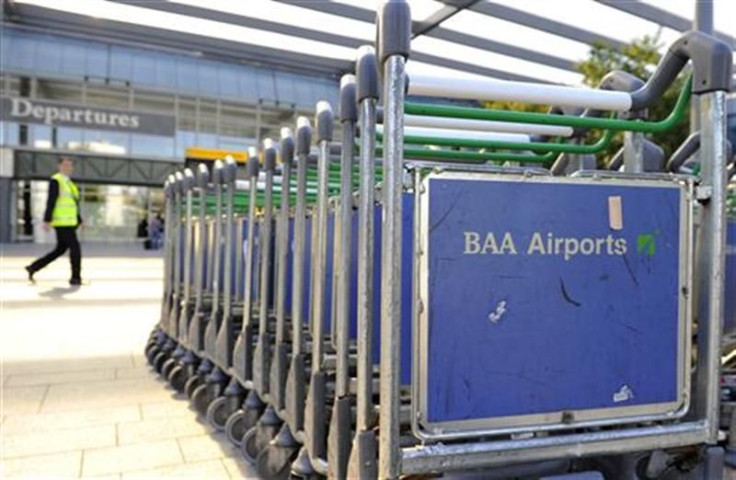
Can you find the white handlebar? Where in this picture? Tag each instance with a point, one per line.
(464, 134)
(499, 90)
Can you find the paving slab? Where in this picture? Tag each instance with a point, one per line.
(57, 441)
(15, 424)
(160, 429)
(23, 399)
(58, 465)
(211, 469)
(202, 447)
(79, 399)
(58, 378)
(167, 409)
(129, 458)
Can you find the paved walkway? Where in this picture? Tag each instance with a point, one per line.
(78, 399)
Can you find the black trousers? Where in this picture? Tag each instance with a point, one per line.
(66, 239)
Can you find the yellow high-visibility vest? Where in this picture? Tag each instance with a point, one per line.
(66, 210)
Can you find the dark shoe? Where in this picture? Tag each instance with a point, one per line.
(75, 282)
(30, 274)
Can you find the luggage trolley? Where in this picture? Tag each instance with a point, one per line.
(229, 338)
(363, 455)
(462, 422)
(237, 424)
(181, 370)
(272, 350)
(212, 371)
(292, 403)
(315, 408)
(257, 395)
(211, 309)
(253, 349)
(224, 401)
(166, 343)
(286, 384)
(183, 274)
(337, 438)
(159, 334)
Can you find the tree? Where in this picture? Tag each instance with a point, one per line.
(639, 58)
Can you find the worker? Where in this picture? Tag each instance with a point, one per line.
(62, 213)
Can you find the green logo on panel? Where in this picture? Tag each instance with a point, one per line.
(646, 244)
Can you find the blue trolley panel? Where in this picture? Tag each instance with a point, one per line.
(407, 257)
(289, 266)
(329, 252)
(306, 284)
(550, 302)
(730, 320)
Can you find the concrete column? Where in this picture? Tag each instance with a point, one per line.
(6, 195)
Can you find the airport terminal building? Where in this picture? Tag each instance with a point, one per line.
(129, 114)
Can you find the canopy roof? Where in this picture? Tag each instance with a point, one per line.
(537, 40)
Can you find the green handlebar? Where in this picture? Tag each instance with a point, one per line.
(472, 157)
(498, 144)
(564, 120)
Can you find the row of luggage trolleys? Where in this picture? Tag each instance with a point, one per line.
(359, 309)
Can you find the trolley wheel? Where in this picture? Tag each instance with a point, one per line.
(192, 383)
(248, 447)
(251, 416)
(235, 427)
(177, 378)
(274, 461)
(158, 361)
(264, 435)
(218, 413)
(200, 399)
(168, 365)
(151, 353)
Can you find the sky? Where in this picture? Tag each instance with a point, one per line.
(587, 14)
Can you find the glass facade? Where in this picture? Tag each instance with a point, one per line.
(111, 213)
(56, 56)
(200, 122)
(216, 105)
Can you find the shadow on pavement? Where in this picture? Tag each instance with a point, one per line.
(57, 293)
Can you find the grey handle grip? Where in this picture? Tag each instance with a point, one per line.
(393, 29)
(711, 60)
(179, 183)
(287, 146)
(187, 180)
(253, 166)
(303, 136)
(169, 185)
(348, 99)
(366, 73)
(269, 155)
(203, 175)
(325, 121)
(217, 172)
(230, 170)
